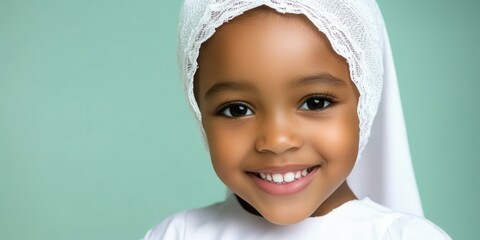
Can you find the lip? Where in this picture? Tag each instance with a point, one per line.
(283, 169)
(284, 188)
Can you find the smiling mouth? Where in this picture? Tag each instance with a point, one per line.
(284, 178)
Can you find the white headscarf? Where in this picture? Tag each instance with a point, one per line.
(356, 31)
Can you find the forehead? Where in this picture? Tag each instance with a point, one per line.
(263, 31)
(265, 44)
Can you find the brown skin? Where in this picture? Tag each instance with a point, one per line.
(267, 119)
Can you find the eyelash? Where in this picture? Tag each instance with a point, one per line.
(246, 107)
(323, 97)
(224, 107)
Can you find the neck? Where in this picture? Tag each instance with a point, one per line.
(247, 207)
(342, 195)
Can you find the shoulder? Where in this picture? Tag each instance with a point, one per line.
(177, 225)
(396, 225)
(407, 226)
(172, 227)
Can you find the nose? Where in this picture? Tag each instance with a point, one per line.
(277, 135)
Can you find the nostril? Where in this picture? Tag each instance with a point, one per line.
(279, 145)
(276, 133)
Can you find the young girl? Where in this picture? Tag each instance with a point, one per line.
(286, 92)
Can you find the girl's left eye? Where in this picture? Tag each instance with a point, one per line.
(315, 103)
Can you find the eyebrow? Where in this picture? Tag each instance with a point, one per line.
(313, 79)
(227, 86)
(319, 78)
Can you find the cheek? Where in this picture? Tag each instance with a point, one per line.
(337, 139)
(344, 135)
(228, 147)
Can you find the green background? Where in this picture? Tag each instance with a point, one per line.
(97, 142)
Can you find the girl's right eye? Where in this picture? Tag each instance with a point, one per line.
(235, 110)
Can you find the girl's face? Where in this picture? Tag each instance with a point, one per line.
(280, 115)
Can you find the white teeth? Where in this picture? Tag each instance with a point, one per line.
(289, 177)
(277, 177)
(283, 178)
(269, 177)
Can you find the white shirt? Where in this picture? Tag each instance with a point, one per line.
(357, 219)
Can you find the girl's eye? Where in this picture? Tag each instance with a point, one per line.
(315, 103)
(236, 110)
